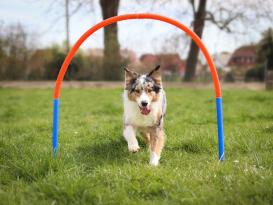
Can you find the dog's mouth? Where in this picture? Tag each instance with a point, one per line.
(144, 110)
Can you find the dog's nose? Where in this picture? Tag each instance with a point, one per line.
(144, 103)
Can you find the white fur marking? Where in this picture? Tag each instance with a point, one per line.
(142, 79)
(130, 136)
(132, 115)
(154, 159)
(143, 97)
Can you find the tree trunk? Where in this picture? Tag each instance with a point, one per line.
(112, 60)
(198, 27)
(67, 18)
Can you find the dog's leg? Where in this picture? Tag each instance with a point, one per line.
(129, 134)
(146, 137)
(157, 143)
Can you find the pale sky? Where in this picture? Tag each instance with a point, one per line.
(142, 36)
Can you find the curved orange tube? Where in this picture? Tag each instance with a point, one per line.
(114, 19)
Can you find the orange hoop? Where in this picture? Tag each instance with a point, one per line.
(115, 19)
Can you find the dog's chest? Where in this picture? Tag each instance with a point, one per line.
(133, 116)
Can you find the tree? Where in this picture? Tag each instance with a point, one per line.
(55, 57)
(112, 59)
(70, 8)
(2, 53)
(198, 27)
(14, 52)
(227, 16)
(220, 14)
(236, 17)
(264, 59)
(265, 49)
(67, 26)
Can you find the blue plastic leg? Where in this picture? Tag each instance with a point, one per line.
(221, 148)
(55, 126)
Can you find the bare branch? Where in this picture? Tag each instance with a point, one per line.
(76, 9)
(222, 23)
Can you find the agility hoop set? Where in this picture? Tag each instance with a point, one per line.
(106, 22)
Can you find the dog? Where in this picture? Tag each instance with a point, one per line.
(144, 102)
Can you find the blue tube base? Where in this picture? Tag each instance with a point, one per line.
(221, 152)
(221, 148)
(55, 126)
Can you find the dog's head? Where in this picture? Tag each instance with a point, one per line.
(143, 89)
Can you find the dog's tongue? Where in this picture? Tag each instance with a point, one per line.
(144, 110)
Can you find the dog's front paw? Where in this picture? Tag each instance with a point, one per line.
(133, 147)
(154, 159)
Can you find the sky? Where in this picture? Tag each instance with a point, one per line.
(46, 24)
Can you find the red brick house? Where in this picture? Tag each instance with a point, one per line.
(171, 63)
(242, 59)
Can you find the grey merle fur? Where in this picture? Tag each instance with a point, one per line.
(131, 87)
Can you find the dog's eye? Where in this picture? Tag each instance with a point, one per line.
(149, 91)
(156, 88)
(137, 91)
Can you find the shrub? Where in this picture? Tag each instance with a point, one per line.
(229, 77)
(255, 74)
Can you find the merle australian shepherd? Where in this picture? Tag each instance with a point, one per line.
(144, 108)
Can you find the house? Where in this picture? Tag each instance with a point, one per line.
(171, 63)
(221, 61)
(242, 59)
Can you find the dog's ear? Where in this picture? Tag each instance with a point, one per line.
(130, 76)
(156, 75)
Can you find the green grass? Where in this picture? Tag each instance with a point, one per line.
(94, 166)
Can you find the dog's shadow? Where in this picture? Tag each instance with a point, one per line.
(112, 151)
(115, 152)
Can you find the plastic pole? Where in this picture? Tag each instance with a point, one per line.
(55, 126)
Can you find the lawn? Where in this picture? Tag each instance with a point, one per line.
(94, 167)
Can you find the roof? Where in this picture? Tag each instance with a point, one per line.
(249, 50)
(166, 60)
(243, 56)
